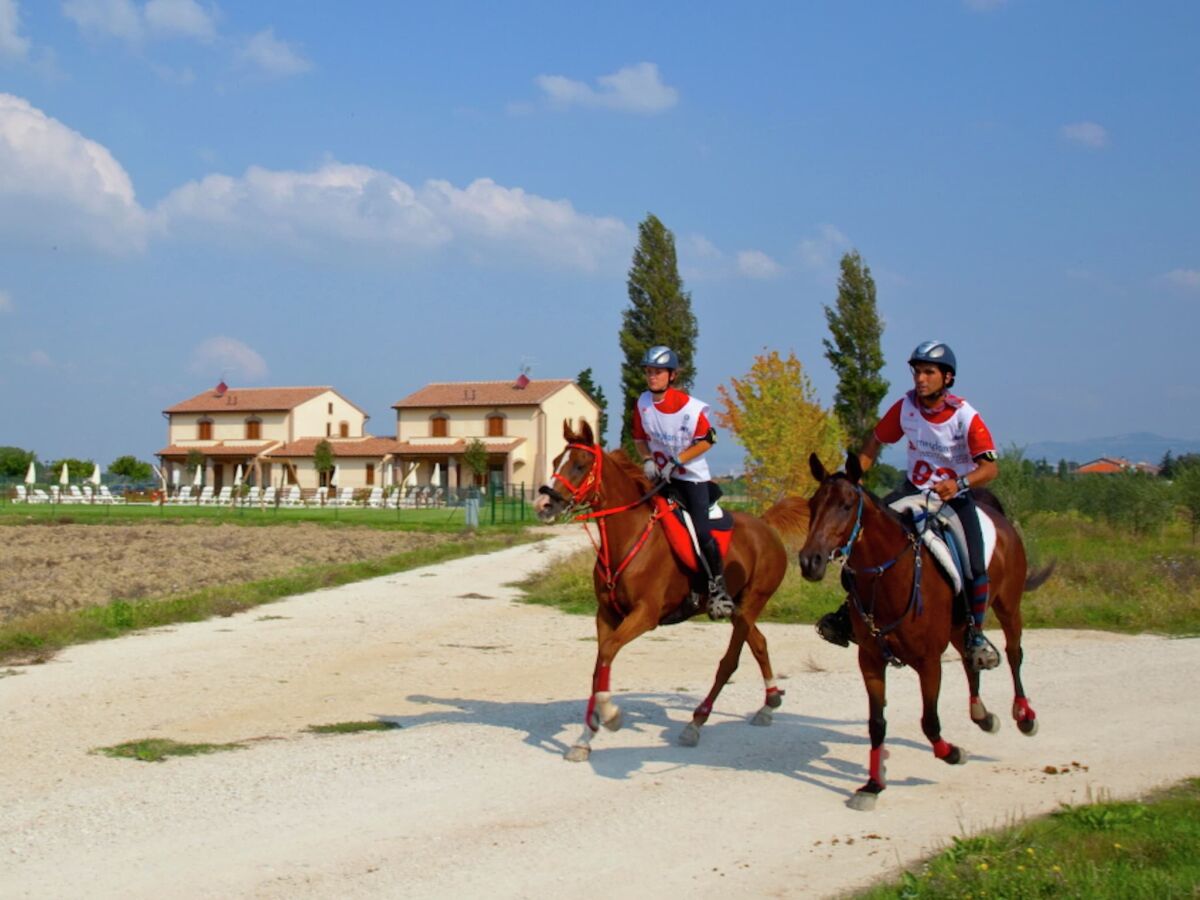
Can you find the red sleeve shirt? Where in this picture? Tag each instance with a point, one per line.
(672, 401)
(979, 439)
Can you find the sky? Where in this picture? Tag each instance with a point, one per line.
(377, 195)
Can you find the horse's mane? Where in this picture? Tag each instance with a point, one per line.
(622, 461)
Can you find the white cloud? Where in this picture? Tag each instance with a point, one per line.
(364, 207)
(39, 358)
(1087, 134)
(6, 302)
(126, 21)
(12, 45)
(273, 56)
(107, 18)
(636, 89)
(56, 186)
(180, 18)
(701, 247)
(226, 356)
(756, 264)
(1189, 279)
(819, 252)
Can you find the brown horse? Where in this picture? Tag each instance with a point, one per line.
(640, 584)
(902, 607)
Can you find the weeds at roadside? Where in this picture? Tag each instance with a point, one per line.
(160, 749)
(353, 727)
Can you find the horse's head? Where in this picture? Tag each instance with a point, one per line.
(835, 514)
(575, 478)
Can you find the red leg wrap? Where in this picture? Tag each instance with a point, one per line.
(941, 749)
(703, 711)
(1022, 710)
(591, 711)
(876, 770)
(603, 674)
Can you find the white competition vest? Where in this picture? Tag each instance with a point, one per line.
(669, 434)
(937, 450)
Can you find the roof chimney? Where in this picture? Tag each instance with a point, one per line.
(522, 382)
(222, 387)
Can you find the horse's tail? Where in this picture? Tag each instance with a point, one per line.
(1035, 579)
(789, 517)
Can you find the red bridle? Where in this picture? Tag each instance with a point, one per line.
(591, 481)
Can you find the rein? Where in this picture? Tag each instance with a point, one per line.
(603, 547)
(876, 572)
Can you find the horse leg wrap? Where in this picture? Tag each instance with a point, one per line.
(703, 711)
(876, 770)
(941, 749)
(976, 709)
(774, 696)
(1022, 711)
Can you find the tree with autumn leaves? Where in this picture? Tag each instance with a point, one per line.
(775, 414)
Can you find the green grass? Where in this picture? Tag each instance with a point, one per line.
(1146, 850)
(443, 519)
(1104, 579)
(159, 749)
(38, 636)
(352, 727)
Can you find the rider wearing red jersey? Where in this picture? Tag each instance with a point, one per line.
(950, 451)
(671, 431)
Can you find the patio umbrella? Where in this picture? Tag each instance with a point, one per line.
(199, 479)
(237, 476)
(175, 475)
(63, 478)
(31, 475)
(333, 479)
(95, 479)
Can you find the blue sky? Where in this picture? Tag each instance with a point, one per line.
(378, 195)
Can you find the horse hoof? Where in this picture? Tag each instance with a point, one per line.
(863, 801)
(578, 754)
(763, 717)
(956, 757)
(1028, 727)
(614, 723)
(775, 699)
(690, 736)
(989, 723)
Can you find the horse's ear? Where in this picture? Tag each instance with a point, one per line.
(818, 470)
(568, 434)
(853, 467)
(585, 433)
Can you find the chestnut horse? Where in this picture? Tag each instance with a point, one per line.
(640, 584)
(902, 607)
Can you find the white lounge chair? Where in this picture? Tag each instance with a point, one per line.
(320, 497)
(293, 497)
(206, 496)
(268, 496)
(224, 498)
(39, 496)
(106, 496)
(375, 500)
(22, 495)
(345, 497)
(252, 496)
(184, 495)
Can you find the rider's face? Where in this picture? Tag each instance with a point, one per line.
(928, 379)
(657, 380)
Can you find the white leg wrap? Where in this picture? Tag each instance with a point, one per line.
(605, 708)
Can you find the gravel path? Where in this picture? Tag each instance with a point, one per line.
(471, 796)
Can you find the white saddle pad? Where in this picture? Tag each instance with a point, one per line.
(919, 504)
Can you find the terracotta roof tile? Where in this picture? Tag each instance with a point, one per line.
(482, 393)
(455, 446)
(344, 447)
(220, 448)
(252, 400)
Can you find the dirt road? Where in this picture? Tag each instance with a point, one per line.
(471, 796)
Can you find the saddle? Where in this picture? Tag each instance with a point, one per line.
(942, 533)
(681, 535)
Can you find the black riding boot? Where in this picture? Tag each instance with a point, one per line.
(835, 627)
(720, 604)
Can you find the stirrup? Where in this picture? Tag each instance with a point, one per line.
(720, 604)
(981, 653)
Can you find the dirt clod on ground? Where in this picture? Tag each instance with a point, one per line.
(73, 566)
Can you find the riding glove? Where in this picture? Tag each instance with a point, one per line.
(650, 467)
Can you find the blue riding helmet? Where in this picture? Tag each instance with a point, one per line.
(937, 353)
(661, 357)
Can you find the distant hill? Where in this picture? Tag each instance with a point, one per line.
(1140, 446)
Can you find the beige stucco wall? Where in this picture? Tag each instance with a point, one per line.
(571, 403)
(184, 428)
(310, 418)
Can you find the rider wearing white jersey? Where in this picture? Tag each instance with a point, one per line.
(950, 451)
(671, 431)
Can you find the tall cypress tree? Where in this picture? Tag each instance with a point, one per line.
(593, 390)
(854, 352)
(659, 312)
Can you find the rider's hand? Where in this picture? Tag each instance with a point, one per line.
(650, 468)
(946, 490)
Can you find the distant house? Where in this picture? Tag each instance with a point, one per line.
(1111, 465)
(229, 427)
(519, 421)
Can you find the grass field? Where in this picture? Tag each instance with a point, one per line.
(1148, 849)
